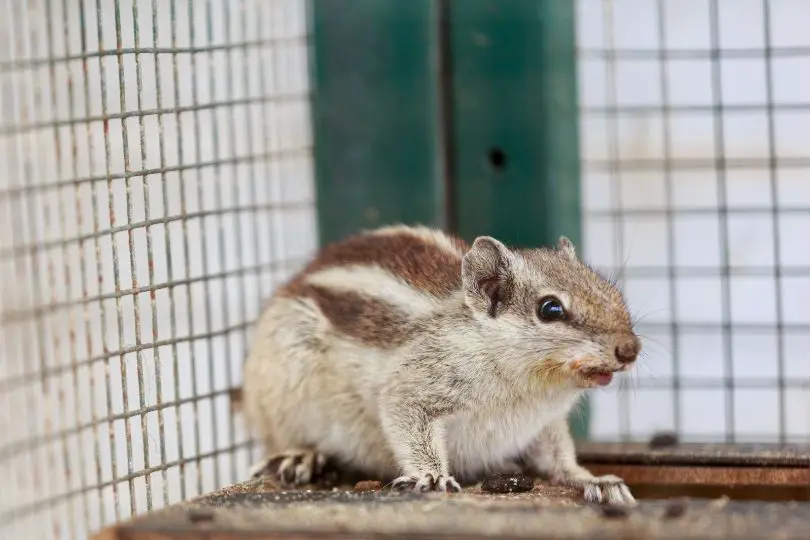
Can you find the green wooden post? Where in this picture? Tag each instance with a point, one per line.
(376, 114)
(515, 123)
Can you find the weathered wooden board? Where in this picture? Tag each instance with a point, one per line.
(261, 509)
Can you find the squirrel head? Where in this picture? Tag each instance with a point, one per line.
(546, 316)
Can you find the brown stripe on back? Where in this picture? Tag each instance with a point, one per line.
(373, 322)
(422, 264)
(460, 244)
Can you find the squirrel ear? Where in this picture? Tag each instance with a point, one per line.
(485, 274)
(567, 247)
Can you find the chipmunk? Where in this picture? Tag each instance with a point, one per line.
(412, 356)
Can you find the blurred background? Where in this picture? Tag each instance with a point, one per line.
(164, 165)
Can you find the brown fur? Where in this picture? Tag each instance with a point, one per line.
(423, 265)
(368, 320)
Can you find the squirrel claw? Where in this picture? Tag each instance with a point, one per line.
(294, 467)
(608, 489)
(424, 483)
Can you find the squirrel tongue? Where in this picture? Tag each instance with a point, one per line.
(602, 379)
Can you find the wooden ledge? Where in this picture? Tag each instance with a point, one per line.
(260, 510)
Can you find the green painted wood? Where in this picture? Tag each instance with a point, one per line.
(515, 124)
(376, 114)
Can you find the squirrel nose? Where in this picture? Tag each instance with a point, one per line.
(627, 350)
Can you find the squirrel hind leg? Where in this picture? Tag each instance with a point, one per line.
(294, 467)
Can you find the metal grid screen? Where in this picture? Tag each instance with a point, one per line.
(695, 122)
(155, 185)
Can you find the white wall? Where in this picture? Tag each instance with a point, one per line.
(251, 110)
(633, 82)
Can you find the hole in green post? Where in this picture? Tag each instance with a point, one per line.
(497, 158)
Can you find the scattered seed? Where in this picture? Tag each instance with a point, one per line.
(507, 483)
(675, 509)
(368, 485)
(664, 439)
(197, 515)
(614, 511)
(719, 503)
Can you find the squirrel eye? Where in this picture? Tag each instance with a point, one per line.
(551, 309)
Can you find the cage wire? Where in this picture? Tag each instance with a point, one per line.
(695, 117)
(156, 184)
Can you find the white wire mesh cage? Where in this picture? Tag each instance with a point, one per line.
(695, 117)
(156, 184)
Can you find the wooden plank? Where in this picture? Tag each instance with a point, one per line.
(462, 516)
(707, 475)
(759, 475)
(742, 455)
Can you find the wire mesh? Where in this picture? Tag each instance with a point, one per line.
(156, 184)
(694, 121)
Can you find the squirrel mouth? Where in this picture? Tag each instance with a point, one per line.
(594, 375)
(602, 378)
(598, 377)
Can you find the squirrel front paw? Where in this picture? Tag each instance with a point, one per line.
(606, 489)
(426, 482)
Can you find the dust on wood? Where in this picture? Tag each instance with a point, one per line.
(263, 509)
(260, 509)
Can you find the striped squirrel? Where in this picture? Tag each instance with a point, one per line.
(412, 356)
